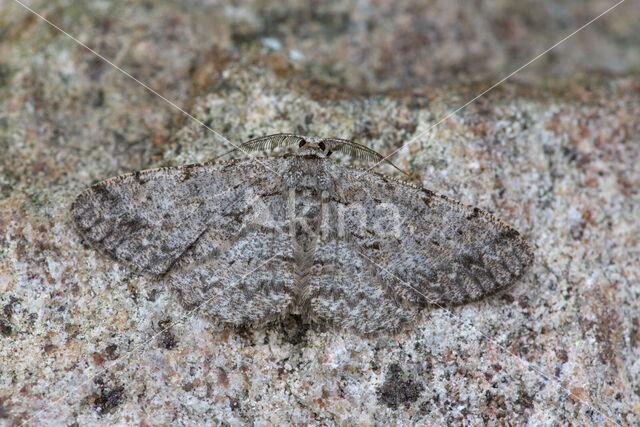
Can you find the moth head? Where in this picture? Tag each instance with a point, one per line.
(313, 147)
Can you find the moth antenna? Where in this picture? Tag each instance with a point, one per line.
(358, 151)
(268, 142)
(331, 145)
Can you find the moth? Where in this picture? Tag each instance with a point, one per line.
(248, 241)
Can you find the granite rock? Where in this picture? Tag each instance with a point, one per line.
(553, 151)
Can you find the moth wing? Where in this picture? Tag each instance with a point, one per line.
(400, 248)
(149, 219)
(347, 292)
(241, 270)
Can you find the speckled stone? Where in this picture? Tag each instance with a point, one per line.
(554, 152)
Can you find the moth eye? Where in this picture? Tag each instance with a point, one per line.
(321, 145)
(301, 143)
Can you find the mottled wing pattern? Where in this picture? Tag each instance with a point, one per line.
(403, 248)
(222, 236)
(346, 290)
(201, 227)
(241, 271)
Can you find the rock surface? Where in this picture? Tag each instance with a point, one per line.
(553, 151)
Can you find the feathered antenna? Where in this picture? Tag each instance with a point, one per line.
(350, 148)
(357, 151)
(266, 143)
